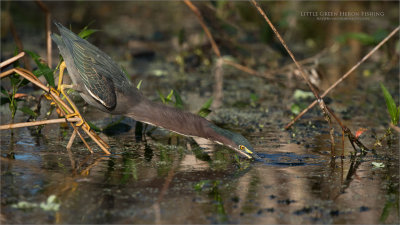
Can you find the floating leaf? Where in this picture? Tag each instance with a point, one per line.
(300, 94)
(378, 165)
(50, 204)
(24, 205)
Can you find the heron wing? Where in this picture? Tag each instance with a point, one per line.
(99, 60)
(99, 86)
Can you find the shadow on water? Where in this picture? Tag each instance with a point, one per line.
(289, 159)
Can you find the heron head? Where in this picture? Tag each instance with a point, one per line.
(235, 141)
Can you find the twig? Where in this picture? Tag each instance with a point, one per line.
(11, 60)
(246, 69)
(71, 140)
(37, 123)
(59, 102)
(203, 25)
(96, 140)
(348, 132)
(396, 30)
(46, 10)
(218, 71)
(321, 102)
(288, 50)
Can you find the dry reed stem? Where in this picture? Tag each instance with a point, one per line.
(63, 106)
(71, 140)
(243, 68)
(98, 138)
(99, 143)
(270, 74)
(344, 76)
(261, 11)
(203, 25)
(321, 102)
(37, 123)
(59, 102)
(11, 60)
(48, 30)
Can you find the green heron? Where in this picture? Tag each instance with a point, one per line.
(102, 84)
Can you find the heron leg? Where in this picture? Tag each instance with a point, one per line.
(61, 75)
(62, 88)
(60, 78)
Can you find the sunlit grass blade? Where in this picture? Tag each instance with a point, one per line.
(205, 109)
(391, 105)
(178, 100)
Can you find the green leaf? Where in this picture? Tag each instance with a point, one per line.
(178, 100)
(4, 100)
(4, 91)
(14, 79)
(139, 84)
(28, 111)
(391, 105)
(169, 96)
(205, 109)
(43, 69)
(161, 96)
(204, 112)
(208, 103)
(363, 38)
(85, 32)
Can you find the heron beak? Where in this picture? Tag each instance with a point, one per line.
(249, 154)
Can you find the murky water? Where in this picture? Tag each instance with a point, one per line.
(169, 179)
(164, 178)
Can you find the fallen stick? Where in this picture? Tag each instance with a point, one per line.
(38, 123)
(11, 60)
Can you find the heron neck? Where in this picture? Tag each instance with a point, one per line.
(170, 118)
